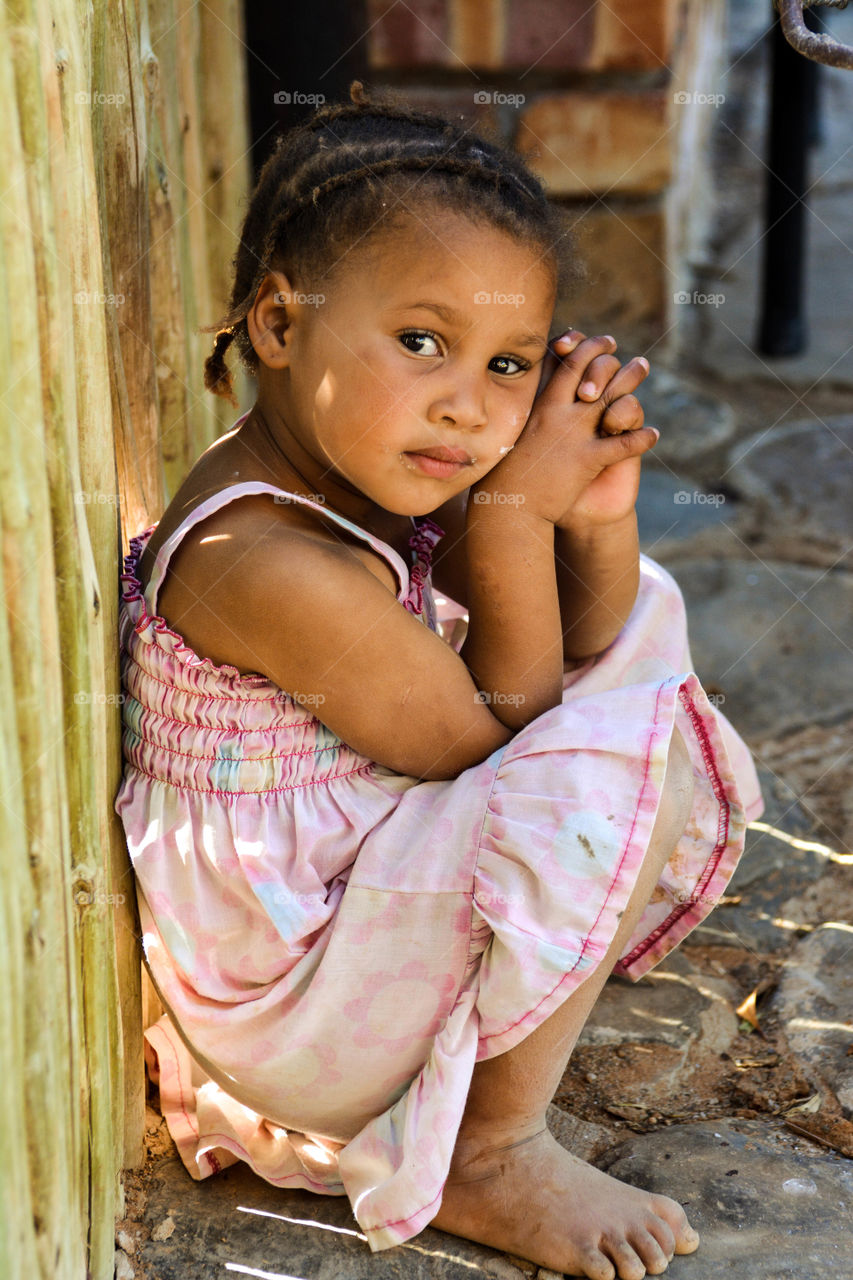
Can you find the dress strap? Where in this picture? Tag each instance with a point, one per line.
(224, 496)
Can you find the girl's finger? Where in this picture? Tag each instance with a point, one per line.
(596, 376)
(624, 414)
(626, 379)
(629, 444)
(567, 378)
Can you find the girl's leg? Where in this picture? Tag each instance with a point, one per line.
(511, 1185)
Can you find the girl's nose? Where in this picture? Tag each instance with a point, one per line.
(463, 405)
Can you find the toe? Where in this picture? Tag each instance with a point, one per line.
(663, 1233)
(629, 1265)
(648, 1249)
(686, 1240)
(596, 1266)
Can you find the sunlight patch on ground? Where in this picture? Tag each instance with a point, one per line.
(265, 1275)
(302, 1222)
(811, 846)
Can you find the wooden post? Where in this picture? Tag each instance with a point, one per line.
(101, 285)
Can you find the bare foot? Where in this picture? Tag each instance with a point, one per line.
(535, 1200)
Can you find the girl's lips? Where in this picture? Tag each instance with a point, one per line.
(440, 463)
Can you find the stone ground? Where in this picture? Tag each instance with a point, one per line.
(726, 1076)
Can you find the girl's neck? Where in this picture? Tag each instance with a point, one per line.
(267, 438)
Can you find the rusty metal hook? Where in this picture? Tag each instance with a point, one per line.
(810, 44)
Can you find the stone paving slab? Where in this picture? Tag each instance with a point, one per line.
(799, 479)
(767, 1204)
(671, 508)
(692, 423)
(771, 640)
(814, 1001)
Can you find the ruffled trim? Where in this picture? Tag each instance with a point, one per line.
(422, 542)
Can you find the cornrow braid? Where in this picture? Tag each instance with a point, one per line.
(351, 169)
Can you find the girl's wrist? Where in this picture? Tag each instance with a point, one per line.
(582, 532)
(498, 508)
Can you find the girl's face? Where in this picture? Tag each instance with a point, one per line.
(419, 368)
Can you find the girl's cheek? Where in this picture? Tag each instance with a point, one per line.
(517, 420)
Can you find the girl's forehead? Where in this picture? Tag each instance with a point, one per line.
(456, 256)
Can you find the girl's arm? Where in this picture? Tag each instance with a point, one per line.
(598, 573)
(513, 646)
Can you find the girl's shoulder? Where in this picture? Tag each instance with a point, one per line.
(254, 530)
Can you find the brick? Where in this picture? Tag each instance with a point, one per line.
(624, 251)
(456, 104)
(591, 143)
(406, 35)
(477, 32)
(635, 34)
(549, 36)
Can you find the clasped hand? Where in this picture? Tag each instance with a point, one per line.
(577, 461)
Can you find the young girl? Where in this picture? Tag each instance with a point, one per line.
(382, 879)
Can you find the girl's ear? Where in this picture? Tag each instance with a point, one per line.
(271, 318)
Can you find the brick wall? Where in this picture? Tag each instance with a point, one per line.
(608, 100)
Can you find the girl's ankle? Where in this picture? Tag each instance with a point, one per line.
(478, 1147)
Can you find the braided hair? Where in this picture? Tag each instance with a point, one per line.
(336, 179)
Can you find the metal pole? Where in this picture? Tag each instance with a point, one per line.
(782, 326)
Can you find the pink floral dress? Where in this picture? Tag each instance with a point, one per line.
(337, 945)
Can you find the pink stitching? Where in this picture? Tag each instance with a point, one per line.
(215, 728)
(722, 834)
(190, 755)
(209, 697)
(228, 795)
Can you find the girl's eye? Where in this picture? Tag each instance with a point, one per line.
(414, 337)
(521, 366)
